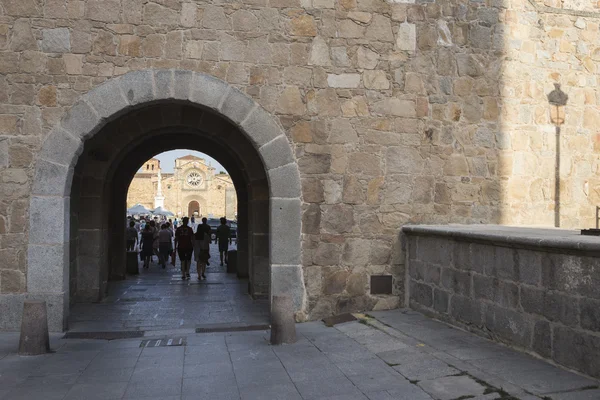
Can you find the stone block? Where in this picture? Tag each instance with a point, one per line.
(504, 266)
(542, 339)
(285, 231)
(57, 308)
(457, 281)
(56, 40)
(284, 182)
(424, 272)
(421, 294)
(34, 338)
(589, 314)
(510, 326)
(260, 127)
(49, 220)
(283, 324)
(81, 121)
(440, 300)
(482, 257)
(276, 153)
(503, 293)
(529, 265)
(466, 310)
(137, 86)
(553, 306)
(435, 250)
(406, 38)
(571, 274)
(327, 254)
(51, 179)
(163, 84)
(61, 148)
(237, 106)
(461, 258)
(311, 219)
(577, 350)
(287, 280)
(182, 84)
(337, 218)
(107, 99)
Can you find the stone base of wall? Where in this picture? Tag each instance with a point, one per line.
(11, 310)
(533, 289)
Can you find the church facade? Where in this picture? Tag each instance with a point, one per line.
(193, 189)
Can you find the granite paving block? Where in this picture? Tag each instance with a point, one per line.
(590, 394)
(99, 391)
(46, 392)
(314, 389)
(200, 370)
(270, 392)
(106, 376)
(147, 389)
(377, 380)
(452, 387)
(425, 368)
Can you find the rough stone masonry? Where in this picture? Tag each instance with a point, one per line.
(397, 111)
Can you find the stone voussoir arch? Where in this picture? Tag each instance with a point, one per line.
(48, 248)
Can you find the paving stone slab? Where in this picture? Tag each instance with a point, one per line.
(97, 391)
(425, 368)
(452, 387)
(315, 389)
(279, 391)
(591, 394)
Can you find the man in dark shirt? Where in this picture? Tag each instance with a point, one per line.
(184, 247)
(224, 238)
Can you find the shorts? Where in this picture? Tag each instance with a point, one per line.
(185, 254)
(223, 246)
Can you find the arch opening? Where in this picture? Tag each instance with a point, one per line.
(100, 159)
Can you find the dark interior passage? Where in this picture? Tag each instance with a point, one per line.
(102, 176)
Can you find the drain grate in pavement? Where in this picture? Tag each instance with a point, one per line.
(178, 341)
(135, 299)
(104, 335)
(138, 290)
(338, 319)
(213, 328)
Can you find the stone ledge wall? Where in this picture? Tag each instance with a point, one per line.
(540, 300)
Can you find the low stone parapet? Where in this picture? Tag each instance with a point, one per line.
(535, 289)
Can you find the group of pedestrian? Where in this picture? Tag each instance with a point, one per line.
(187, 243)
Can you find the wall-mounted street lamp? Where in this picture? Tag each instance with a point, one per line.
(558, 100)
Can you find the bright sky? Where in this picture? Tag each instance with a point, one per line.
(167, 159)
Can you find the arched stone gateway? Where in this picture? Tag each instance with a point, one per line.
(189, 104)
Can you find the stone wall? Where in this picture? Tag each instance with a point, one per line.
(532, 289)
(398, 112)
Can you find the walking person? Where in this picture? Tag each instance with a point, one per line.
(224, 239)
(164, 244)
(147, 245)
(202, 248)
(184, 246)
(131, 236)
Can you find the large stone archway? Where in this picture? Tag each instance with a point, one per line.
(50, 205)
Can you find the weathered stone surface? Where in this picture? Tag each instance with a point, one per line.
(337, 218)
(319, 53)
(56, 40)
(343, 80)
(376, 80)
(22, 36)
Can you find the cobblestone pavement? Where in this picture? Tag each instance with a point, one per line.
(401, 355)
(157, 299)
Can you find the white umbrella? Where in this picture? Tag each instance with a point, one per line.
(162, 211)
(137, 210)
